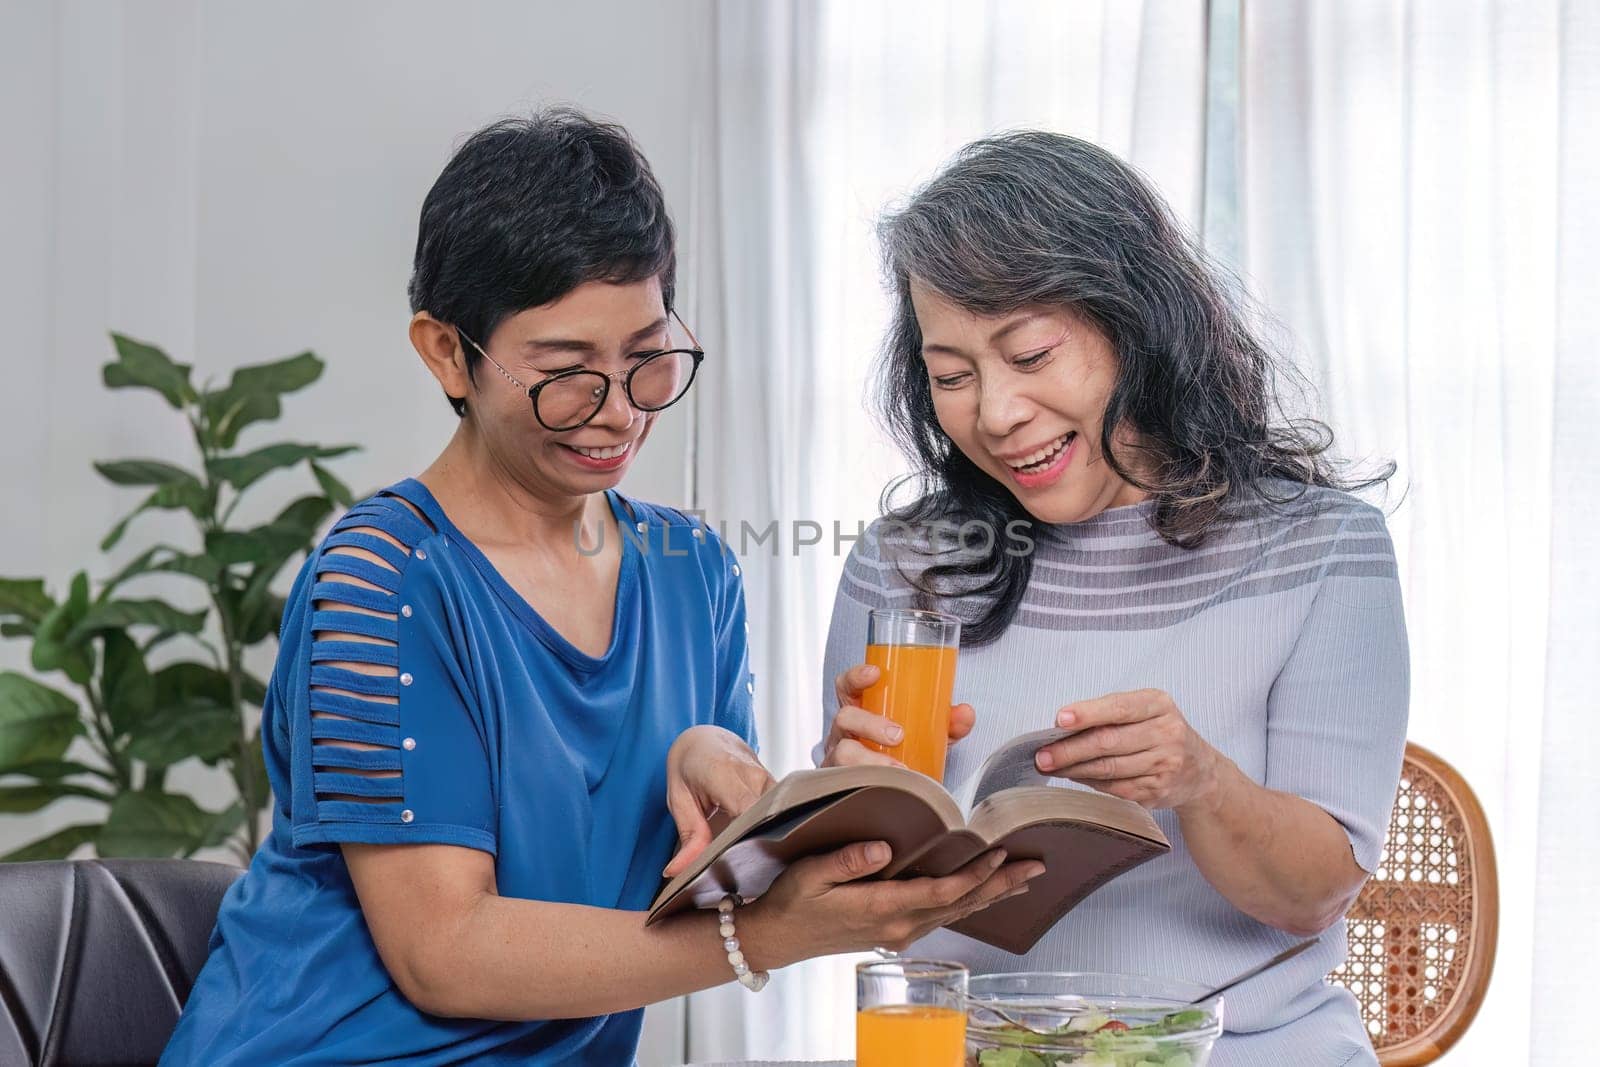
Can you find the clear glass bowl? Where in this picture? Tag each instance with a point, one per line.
(1164, 1027)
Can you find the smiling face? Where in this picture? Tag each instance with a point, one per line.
(1023, 396)
(598, 326)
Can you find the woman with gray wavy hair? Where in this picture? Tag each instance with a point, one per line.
(1200, 600)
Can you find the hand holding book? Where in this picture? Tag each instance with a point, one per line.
(1136, 745)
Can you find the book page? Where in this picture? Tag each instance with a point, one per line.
(1008, 766)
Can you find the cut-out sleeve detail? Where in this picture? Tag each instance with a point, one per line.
(391, 747)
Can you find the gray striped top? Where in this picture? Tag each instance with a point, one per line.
(1283, 642)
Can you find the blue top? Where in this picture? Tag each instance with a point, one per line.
(493, 732)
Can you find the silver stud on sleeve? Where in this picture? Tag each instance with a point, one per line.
(406, 679)
(409, 743)
(420, 554)
(736, 570)
(407, 815)
(405, 610)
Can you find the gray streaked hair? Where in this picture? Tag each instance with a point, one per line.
(1033, 218)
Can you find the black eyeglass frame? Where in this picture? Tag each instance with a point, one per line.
(696, 355)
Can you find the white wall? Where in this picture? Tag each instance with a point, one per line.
(238, 182)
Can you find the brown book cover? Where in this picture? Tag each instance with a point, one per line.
(1083, 838)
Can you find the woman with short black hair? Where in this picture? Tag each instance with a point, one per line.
(507, 695)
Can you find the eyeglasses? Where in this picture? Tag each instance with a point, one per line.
(569, 399)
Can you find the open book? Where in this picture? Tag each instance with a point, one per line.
(1084, 839)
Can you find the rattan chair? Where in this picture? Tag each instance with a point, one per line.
(1422, 933)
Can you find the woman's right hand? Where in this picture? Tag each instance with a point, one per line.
(854, 724)
(821, 905)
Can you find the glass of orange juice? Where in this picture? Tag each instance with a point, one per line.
(915, 653)
(911, 1012)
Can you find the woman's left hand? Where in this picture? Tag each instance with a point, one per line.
(1137, 746)
(709, 769)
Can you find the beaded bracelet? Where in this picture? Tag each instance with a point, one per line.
(754, 981)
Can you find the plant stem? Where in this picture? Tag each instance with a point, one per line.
(105, 735)
(244, 759)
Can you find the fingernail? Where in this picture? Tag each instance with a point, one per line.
(1033, 871)
(1066, 717)
(895, 734)
(1044, 759)
(997, 857)
(877, 852)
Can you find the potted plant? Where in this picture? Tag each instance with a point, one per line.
(138, 684)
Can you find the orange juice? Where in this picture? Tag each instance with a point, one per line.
(914, 689)
(901, 1035)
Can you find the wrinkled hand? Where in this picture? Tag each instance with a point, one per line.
(709, 769)
(1137, 746)
(855, 724)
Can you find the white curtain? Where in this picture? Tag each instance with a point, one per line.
(1412, 201)
(1418, 207)
(824, 113)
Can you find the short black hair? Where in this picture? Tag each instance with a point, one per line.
(527, 210)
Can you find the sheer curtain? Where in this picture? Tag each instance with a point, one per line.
(1418, 207)
(824, 113)
(1407, 188)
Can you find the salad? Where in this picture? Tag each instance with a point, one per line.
(1094, 1039)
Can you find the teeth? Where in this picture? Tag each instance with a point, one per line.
(1048, 452)
(603, 453)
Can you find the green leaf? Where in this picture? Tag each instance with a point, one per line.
(17, 629)
(202, 567)
(254, 689)
(190, 496)
(271, 546)
(260, 619)
(109, 541)
(153, 824)
(224, 825)
(241, 471)
(36, 722)
(24, 598)
(144, 472)
(56, 846)
(227, 413)
(53, 649)
(52, 770)
(335, 490)
(196, 729)
(178, 683)
(194, 717)
(140, 564)
(305, 514)
(258, 770)
(21, 799)
(120, 614)
(278, 377)
(146, 366)
(272, 543)
(126, 685)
